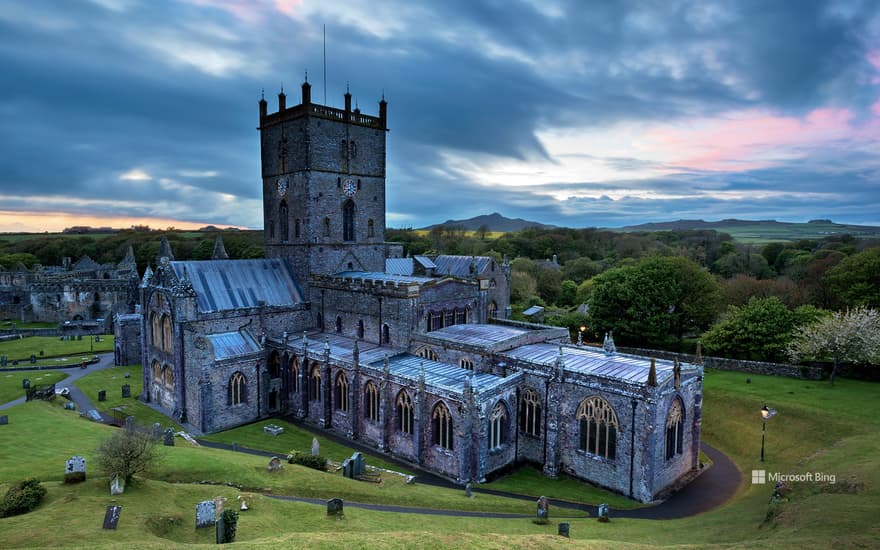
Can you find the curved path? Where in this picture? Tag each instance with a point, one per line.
(75, 372)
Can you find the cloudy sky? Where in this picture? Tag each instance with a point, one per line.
(578, 113)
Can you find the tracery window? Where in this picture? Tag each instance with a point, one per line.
(371, 402)
(404, 413)
(341, 397)
(441, 427)
(498, 426)
(157, 372)
(428, 353)
(493, 310)
(598, 427)
(168, 377)
(348, 220)
(530, 412)
(237, 389)
(283, 221)
(294, 374)
(675, 429)
(466, 364)
(315, 384)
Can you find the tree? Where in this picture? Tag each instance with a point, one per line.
(127, 452)
(760, 330)
(567, 293)
(851, 336)
(856, 279)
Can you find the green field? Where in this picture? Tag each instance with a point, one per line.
(21, 349)
(818, 429)
(10, 382)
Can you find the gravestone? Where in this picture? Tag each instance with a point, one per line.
(358, 459)
(563, 529)
(111, 516)
(102, 395)
(206, 514)
(156, 431)
(117, 486)
(603, 513)
(126, 390)
(4, 420)
(543, 508)
(3, 361)
(97, 338)
(169, 437)
(220, 530)
(334, 507)
(467, 490)
(275, 464)
(79, 336)
(26, 383)
(272, 429)
(33, 358)
(129, 422)
(94, 415)
(316, 449)
(347, 468)
(76, 469)
(71, 406)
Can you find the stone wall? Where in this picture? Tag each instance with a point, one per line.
(722, 363)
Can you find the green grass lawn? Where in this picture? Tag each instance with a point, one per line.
(10, 382)
(111, 379)
(818, 429)
(530, 481)
(34, 324)
(21, 349)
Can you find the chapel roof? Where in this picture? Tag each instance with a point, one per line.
(229, 284)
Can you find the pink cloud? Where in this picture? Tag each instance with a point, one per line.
(253, 11)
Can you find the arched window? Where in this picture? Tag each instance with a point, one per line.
(315, 384)
(338, 324)
(348, 220)
(360, 328)
(168, 377)
(675, 429)
(404, 413)
(283, 221)
(493, 310)
(441, 427)
(237, 389)
(386, 334)
(326, 227)
(294, 374)
(530, 412)
(466, 364)
(371, 402)
(341, 393)
(274, 365)
(297, 231)
(371, 229)
(498, 426)
(157, 372)
(155, 330)
(167, 343)
(428, 353)
(598, 427)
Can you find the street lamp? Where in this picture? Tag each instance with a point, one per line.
(581, 335)
(766, 414)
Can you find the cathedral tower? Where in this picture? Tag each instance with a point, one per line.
(323, 186)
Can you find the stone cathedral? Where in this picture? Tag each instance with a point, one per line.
(414, 356)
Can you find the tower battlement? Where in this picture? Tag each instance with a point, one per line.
(309, 109)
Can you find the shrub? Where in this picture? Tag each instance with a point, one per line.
(317, 462)
(22, 497)
(230, 523)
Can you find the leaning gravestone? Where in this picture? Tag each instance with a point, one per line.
(206, 514)
(94, 415)
(111, 516)
(102, 395)
(126, 390)
(117, 486)
(169, 437)
(76, 469)
(275, 464)
(543, 508)
(358, 459)
(563, 529)
(316, 449)
(334, 507)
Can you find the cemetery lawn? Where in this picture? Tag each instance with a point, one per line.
(818, 429)
(21, 350)
(20, 325)
(111, 379)
(10, 382)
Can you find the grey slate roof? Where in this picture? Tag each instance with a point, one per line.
(230, 344)
(533, 310)
(460, 266)
(477, 335)
(228, 284)
(441, 375)
(384, 277)
(399, 266)
(341, 347)
(425, 262)
(589, 360)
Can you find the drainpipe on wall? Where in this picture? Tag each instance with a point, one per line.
(632, 448)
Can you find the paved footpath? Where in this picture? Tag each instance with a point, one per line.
(83, 403)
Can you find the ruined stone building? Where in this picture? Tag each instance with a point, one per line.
(73, 291)
(413, 356)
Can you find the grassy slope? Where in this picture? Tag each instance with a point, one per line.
(10, 382)
(818, 429)
(22, 349)
(111, 380)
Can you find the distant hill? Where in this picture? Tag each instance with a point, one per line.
(495, 222)
(764, 230)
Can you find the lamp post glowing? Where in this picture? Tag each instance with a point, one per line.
(581, 335)
(766, 414)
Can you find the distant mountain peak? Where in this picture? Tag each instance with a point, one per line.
(494, 222)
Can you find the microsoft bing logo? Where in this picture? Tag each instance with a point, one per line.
(759, 476)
